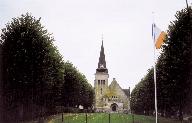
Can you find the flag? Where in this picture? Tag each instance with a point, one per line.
(158, 36)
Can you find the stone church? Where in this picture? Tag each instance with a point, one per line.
(109, 98)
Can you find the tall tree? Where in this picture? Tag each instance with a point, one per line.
(76, 89)
(174, 69)
(32, 67)
(177, 58)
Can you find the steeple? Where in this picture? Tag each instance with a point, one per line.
(102, 62)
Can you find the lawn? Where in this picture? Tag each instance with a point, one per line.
(104, 118)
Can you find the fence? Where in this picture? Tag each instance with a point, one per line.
(94, 118)
(106, 118)
(109, 118)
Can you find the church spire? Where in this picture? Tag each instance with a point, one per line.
(102, 39)
(102, 62)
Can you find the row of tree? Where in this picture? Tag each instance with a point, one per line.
(174, 73)
(34, 79)
(76, 90)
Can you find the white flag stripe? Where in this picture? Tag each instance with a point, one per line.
(158, 36)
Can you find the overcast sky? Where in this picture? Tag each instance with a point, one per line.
(77, 26)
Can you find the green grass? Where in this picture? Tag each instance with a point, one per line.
(104, 118)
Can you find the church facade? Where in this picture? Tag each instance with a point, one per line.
(109, 98)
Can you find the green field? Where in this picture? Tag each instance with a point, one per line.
(104, 118)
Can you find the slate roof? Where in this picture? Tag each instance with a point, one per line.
(127, 92)
(114, 83)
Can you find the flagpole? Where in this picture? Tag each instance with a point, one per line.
(155, 79)
(155, 82)
(187, 4)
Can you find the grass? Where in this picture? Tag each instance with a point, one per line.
(104, 118)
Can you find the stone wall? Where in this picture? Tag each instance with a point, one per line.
(113, 94)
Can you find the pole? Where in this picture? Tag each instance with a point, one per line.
(86, 117)
(133, 118)
(109, 118)
(187, 4)
(188, 9)
(155, 80)
(62, 117)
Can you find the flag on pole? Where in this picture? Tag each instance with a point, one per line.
(158, 36)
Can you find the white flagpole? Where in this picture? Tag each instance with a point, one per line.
(155, 79)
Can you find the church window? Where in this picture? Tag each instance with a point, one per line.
(101, 82)
(104, 82)
(98, 82)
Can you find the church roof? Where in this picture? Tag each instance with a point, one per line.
(127, 92)
(102, 62)
(114, 84)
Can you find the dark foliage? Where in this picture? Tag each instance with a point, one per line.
(76, 90)
(174, 71)
(33, 77)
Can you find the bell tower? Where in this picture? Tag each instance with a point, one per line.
(101, 78)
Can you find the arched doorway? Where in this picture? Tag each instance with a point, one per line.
(114, 107)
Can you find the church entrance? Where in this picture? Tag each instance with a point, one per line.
(114, 107)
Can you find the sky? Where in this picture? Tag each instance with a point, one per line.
(77, 27)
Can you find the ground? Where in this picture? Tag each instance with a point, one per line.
(104, 118)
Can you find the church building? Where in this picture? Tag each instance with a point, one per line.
(109, 98)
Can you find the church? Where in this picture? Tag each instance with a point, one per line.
(109, 98)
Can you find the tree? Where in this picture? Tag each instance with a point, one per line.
(76, 89)
(142, 96)
(32, 68)
(177, 56)
(174, 71)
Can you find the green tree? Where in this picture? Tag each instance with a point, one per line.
(142, 96)
(32, 68)
(174, 71)
(76, 89)
(177, 61)
(71, 87)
